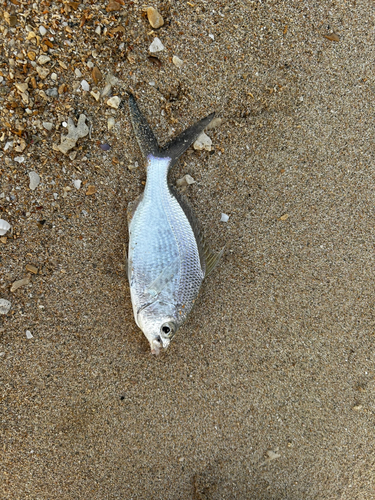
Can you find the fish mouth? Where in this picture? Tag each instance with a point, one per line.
(158, 344)
(155, 351)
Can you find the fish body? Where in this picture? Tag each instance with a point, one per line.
(167, 257)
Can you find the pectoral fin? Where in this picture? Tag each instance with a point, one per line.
(163, 279)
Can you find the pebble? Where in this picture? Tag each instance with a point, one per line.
(19, 159)
(53, 76)
(177, 62)
(216, 122)
(105, 147)
(74, 133)
(5, 306)
(185, 181)
(78, 73)
(85, 85)
(31, 55)
(52, 92)
(77, 183)
(107, 90)
(110, 123)
(21, 87)
(154, 18)
(48, 126)
(113, 6)
(96, 75)
(21, 146)
(272, 455)
(133, 167)
(42, 30)
(4, 227)
(203, 142)
(96, 95)
(224, 218)
(114, 102)
(29, 334)
(156, 45)
(43, 59)
(211, 36)
(42, 72)
(90, 190)
(31, 269)
(34, 180)
(17, 284)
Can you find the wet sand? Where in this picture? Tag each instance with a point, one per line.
(267, 392)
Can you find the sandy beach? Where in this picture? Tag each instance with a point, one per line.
(267, 391)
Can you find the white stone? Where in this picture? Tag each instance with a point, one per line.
(4, 227)
(5, 306)
(29, 334)
(224, 218)
(74, 133)
(21, 87)
(43, 59)
(114, 102)
(96, 95)
(203, 142)
(177, 62)
(156, 45)
(216, 122)
(53, 76)
(42, 30)
(48, 126)
(110, 123)
(77, 183)
(85, 85)
(19, 159)
(34, 180)
(78, 73)
(42, 72)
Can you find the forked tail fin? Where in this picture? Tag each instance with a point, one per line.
(148, 142)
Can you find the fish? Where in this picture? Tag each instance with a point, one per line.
(168, 257)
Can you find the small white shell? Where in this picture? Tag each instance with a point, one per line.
(4, 227)
(34, 180)
(5, 305)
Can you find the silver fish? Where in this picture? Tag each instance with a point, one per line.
(167, 257)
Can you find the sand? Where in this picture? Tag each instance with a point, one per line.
(267, 392)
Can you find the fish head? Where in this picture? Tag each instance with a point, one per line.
(158, 321)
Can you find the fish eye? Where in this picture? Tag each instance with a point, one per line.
(168, 329)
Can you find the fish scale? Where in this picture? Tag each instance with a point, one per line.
(168, 258)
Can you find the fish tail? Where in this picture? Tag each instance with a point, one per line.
(148, 142)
